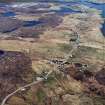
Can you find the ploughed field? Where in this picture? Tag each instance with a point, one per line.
(64, 37)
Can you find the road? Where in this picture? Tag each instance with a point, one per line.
(97, 46)
(21, 88)
(75, 46)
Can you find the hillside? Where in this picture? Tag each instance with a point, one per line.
(52, 53)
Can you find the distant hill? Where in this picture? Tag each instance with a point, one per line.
(6, 1)
(36, 0)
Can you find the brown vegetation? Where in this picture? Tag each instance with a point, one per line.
(93, 82)
(14, 69)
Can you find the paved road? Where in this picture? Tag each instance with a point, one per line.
(21, 88)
